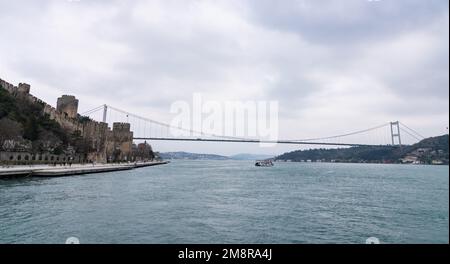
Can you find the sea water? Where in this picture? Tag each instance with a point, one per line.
(231, 202)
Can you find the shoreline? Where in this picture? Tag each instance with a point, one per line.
(75, 169)
(315, 162)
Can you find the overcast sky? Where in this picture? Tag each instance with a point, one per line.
(333, 66)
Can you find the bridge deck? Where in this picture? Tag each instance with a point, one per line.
(257, 141)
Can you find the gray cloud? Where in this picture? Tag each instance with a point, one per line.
(331, 64)
(338, 23)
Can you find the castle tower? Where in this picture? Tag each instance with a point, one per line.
(121, 142)
(23, 88)
(67, 104)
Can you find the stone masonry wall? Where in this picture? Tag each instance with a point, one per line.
(104, 141)
(95, 132)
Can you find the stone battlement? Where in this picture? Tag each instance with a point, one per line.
(118, 126)
(106, 144)
(66, 121)
(9, 87)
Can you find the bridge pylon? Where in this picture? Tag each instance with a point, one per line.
(105, 112)
(395, 133)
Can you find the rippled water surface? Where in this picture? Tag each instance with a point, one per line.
(231, 202)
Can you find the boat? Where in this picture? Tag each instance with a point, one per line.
(264, 163)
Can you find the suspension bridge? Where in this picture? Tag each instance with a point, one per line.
(144, 128)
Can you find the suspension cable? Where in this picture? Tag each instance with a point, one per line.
(191, 131)
(92, 110)
(345, 135)
(412, 130)
(406, 131)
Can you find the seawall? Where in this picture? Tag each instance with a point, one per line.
(76, 169)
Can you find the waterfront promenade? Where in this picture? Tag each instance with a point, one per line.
(75, 169)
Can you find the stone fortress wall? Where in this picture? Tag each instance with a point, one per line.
(23, 90)
(107, 145)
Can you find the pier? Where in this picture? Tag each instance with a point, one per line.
(76, 169)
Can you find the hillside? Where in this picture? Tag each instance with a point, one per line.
(433, 150)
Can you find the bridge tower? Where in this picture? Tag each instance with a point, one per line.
(105, 112)
(395, 133)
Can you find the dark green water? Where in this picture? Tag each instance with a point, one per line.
(231, 202)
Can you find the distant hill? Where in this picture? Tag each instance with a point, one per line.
(191, 156)
(247, 156)
(199, 156)
(433, 150)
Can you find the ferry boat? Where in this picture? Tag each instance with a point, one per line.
(264, 163)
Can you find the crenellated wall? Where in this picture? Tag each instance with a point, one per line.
(105, 144)
(23, 90)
